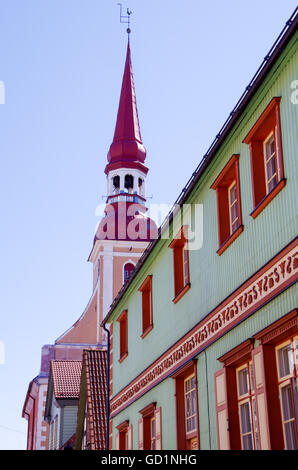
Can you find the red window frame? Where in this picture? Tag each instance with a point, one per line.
(186, 440)
(180, 263)
(150, 428)
(266, 387)
(271, 338)
(267, 124)
(123, 335)
(227, 178)
(147, 309)
(123, 435)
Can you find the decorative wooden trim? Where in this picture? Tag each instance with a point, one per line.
(180, 238)
(147, 283)
(273, 103)
(234, 158)
(230, 240)
(285, 326)
(148, 410)
(181, 293)
(186, 370)
(268, 198)
(273, 278)
(122, 316)
(238, 353)
(123, 427)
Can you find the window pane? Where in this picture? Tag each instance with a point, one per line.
(252, 385)
(287, 403)
(185, 262)
(243, 382)
(285, 361)
(272, 184)
(234, 212)
(255, 424)
(290, 436)
(233, 194)
(245, 418)
(247, 442)
(270, 150)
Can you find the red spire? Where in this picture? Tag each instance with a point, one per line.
(127, 149)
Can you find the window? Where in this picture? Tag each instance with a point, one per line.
(128, 268)
(247, 407)
(256, 390)
(152, 433)
(116, 183)
(181, 264)
(227, 186)
(149, 428)
(147, 314)
(288, 393)
(124, 436)
(233, 207)
(271, 169)
(123, 335)
(128, 182)
(186, 408)
(265, 146)
(190, 404)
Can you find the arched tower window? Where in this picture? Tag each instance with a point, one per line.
(128, 182)
(128, 267)
(116, 182)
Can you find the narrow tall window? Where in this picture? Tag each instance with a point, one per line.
(271, 168)
(147, 310)
(265, 147)
(190, 404)
(153, 433)
(128, 268)
(181, 264)
(288, 393)
(149, 428)
(233, 207)
(227, 186)
(247, 408)
(186, 394)
(123, 335)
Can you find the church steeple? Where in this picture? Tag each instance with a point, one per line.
(126, 171)
(127, 149)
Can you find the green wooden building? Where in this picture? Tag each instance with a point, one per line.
(203, 336)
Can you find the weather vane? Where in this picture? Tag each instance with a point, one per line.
(125, 19)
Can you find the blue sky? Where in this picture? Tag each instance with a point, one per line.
(62, 62)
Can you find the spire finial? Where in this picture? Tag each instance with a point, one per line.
(125, 19)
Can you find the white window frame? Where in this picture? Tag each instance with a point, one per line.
(286, 380)
(272, 133)
(194, 415)
(249, 398)
(234, 183)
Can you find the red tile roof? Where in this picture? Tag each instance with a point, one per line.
(66, 378)
(95, 366)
